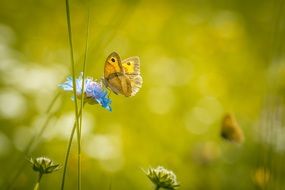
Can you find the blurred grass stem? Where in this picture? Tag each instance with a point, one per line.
(32, 142)
(38, 182)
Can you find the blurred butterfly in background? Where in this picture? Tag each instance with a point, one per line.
(122, 77)
(231, 130)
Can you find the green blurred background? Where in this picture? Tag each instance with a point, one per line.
(199, 60)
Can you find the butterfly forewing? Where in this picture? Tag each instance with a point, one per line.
(114, 76)
(113, 66)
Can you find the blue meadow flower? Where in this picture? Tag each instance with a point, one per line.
(93, 91)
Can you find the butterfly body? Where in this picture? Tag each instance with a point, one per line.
(122, 77)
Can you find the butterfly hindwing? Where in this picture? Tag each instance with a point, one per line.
(120, 85)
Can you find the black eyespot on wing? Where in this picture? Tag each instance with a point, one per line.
(128, 63)
(113, 60)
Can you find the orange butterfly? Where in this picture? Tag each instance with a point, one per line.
(122, 77)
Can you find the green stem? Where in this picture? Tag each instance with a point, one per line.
(67, 153)
(38, 182)
(76, 126)
(83, 70)
(79, 165)
(67, 156)
(81, 107)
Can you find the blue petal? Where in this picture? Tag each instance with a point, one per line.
(105, 102)
(66, 86)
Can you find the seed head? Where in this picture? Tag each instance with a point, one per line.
(162, 178)
(44, 165)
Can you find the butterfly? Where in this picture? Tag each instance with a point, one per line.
(122, 77)
(231, 130)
